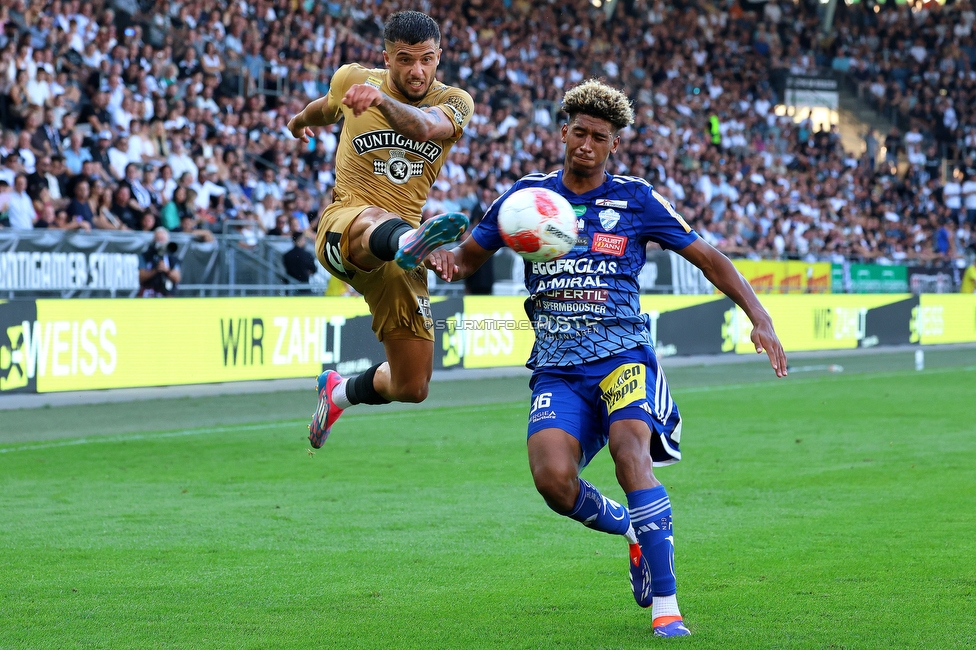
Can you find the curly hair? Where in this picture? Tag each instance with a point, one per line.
(597, 99)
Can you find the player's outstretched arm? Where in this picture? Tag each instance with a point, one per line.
(421, 125)
(458, 262)
(723, 274)
(316, 113)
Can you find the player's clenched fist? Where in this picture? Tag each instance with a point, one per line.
(360, 97)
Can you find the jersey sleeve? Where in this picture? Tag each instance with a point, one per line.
(663, 224)
(338, 86)
(458, 106)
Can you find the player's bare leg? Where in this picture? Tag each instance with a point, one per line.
(373, 238)
(554, 458)
(630, 443)
(377, 236)
(405, 377)
(362, 229)
(650, 514)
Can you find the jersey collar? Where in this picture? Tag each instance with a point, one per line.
(607, 179)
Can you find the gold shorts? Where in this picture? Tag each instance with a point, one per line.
(397, 299)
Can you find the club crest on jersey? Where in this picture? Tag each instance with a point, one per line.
(398, 169)
(609, 218)
(611, 203)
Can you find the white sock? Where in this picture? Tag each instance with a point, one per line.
(665, 606)
(631, 536)
(404, 236)
(339, 395)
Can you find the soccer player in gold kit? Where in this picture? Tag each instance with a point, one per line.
(400, 124)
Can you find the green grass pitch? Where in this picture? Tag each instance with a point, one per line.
(822, 511)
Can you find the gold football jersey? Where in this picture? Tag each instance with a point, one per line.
(375, 165)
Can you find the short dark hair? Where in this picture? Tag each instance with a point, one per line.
(410, 28)
(298, 234)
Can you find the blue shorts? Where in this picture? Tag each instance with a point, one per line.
(584, 400)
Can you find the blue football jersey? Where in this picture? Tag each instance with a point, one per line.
(586, 305)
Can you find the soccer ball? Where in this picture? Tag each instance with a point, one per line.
(538, 224)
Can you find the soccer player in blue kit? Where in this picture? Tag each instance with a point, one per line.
(596, 380)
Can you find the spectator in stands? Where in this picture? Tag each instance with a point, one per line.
(945, 240)
(236, 196)
(46, 219)
(267, 211)
(27, 156)
(147, 222)
(175, 210)
(207, 188)
(952, 196)
(121, 208)
(46, 138)
(96, 114)
(80, 207)
(165, 184)
(190, 225)
(157, 147)
(299, 262)
(267, 185)
(5, 193)
(43, 178)
(20, 207)
(118, 157)
(42, 199)
(968, 191)
(141, 196)
(75, 154)
(101, 158)
(101, 207)
(282, 227)
(180, 162)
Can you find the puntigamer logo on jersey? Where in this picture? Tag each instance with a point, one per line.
(397, 168)
(387, 139)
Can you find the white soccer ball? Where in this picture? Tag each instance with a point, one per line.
(538, 224)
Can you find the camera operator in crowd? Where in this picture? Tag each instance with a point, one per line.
(160, 271)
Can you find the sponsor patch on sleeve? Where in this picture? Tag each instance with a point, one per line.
(454, 113)
(457, 102)
(458, 108)
(610, 244)
(624, 386)
(375, 82)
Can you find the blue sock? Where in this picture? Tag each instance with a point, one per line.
(650, 513)
(595, 511)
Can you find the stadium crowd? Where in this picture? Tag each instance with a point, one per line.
(118, 115)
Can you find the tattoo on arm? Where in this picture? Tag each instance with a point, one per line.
(436, 114)
(409, 121)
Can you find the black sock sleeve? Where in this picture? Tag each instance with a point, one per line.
(384, 242)
(360, 389)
